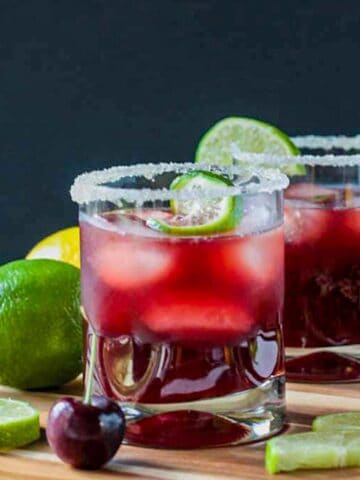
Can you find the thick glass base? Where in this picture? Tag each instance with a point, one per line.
(323, 365)
(234, 419)
(177, 397)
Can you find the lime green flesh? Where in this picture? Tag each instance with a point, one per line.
(312, 450)
(19, 424)
(211, 215)
(40, 323)
(248, 135)
(345, 422)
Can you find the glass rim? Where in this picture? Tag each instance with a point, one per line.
(327, 142)
(89, 186)
(311, 142)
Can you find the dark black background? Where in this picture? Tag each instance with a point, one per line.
(88, 84)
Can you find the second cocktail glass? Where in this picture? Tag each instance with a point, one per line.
(183, 288)
(322, 258)
(322, 225)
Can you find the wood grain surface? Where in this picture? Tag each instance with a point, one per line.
(37, 462)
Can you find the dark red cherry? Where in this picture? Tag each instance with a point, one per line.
(85, 436)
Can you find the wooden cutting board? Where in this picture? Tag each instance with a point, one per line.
(37, 462)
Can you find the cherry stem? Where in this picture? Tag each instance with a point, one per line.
(90, 371)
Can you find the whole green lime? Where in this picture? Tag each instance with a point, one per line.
(40, 323)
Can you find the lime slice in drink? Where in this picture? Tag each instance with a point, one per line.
(312, 450)
(344, 422)
(248, 135)
(19, 424)
(200, 217)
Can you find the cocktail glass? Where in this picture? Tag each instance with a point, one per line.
(322, 259)
(187, 329)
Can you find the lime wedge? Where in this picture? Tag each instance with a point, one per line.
(200, 217)
(312, 450)
(19, 424)
(344, 422)
(248, 135)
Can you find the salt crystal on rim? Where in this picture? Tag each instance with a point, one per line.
(329, 142)
(89, 187)
(314, 142)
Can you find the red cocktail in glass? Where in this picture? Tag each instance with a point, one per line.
(322, 257)
(322, 301)
(189, 327)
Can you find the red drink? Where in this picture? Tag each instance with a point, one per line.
(182, 288)
(322, 301)
(190, 328)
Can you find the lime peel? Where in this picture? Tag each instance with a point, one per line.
(312, 450)
(246, 135)
(203, 216)
(19, 424)
(35, 314)
(345, 422)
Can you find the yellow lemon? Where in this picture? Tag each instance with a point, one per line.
(63, 245)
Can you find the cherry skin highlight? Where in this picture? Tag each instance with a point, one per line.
(84, 435)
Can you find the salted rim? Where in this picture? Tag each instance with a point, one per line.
(327, 142)
(88, 187)
(314, 142)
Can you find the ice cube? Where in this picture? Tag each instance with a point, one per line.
(256, 260)
(256, 219)
(305, 225)
(261, 255)
(131, 264)
(196, 316)
(134, 222)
